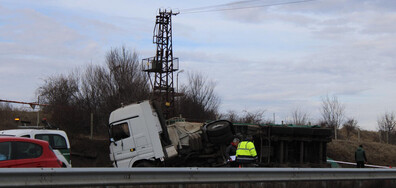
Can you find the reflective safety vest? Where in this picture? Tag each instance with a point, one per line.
(246, 149)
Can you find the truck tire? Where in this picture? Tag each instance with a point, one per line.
(143, 164)
(218, 128)
(223, 139)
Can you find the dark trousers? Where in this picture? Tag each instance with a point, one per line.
(233, 164)
(360, 164)
(242, 165)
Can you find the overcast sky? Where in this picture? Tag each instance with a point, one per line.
(272, 58)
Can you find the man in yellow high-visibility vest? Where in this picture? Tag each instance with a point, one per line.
(246, 153)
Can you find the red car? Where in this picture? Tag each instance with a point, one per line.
(25, 152)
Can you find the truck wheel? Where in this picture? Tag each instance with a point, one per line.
(223, 139)
(143, 164)
(218, 128)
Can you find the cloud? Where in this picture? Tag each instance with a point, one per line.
(36, 46)
(273, 58)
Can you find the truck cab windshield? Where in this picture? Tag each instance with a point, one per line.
(120, 131)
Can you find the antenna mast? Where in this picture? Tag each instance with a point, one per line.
(161, 67)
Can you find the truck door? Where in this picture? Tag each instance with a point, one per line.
(123, 146)
(140, 135)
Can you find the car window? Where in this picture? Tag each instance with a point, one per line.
(45, 137)
(120, 131)
(5, 151)
(26, 136)
(25, 150)
(59, 142)
(56, 141)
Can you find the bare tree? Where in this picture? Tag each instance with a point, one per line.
(299, 117)
(128, 81)
(122, 81)
(253, 117)
(350, 125)
(97, 90)
(332, 113)
(6, 116)
(256, 117)
(199, 100)
(60, 90)
(387, 123)
(231, 116)
(95, 87)
(202, 91)
(61, 93)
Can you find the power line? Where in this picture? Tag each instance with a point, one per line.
(236, 6)
(218, 6)
(18, 102)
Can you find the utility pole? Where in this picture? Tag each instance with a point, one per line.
(38, 111)
(161, 67)
(177, 80)
(274, 117)
(335, 132)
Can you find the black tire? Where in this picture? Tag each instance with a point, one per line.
(223, 139)
(144, 164)
(218, 128)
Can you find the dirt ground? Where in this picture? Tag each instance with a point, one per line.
(90, 153)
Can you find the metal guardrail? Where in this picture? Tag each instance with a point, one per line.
(354, 164)
(28, 177)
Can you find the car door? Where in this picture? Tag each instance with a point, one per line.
(5, 155)
(27, 154)
(123, 145)
(57, 142)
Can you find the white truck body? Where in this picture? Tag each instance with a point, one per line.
(143, 141)
(139, 138)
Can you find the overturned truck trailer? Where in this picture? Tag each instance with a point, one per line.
(140, 137)
(288, 145)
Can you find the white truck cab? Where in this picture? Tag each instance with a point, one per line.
(135, 135)
(140, 138)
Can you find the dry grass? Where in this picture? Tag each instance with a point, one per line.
(7, 118)
(377, 153)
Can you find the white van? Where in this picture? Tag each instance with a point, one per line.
(56, 138)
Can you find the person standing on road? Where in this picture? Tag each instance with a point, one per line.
(246, 153)
(231, 152)
(360, 157)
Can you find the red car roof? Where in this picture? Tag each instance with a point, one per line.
(11, 138)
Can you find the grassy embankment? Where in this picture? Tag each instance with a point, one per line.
(377, 152)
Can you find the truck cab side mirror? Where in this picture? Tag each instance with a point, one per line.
(113, 141)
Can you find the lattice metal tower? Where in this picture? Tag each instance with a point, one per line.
(161, 67)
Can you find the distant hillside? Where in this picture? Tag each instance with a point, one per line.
(377, 153)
